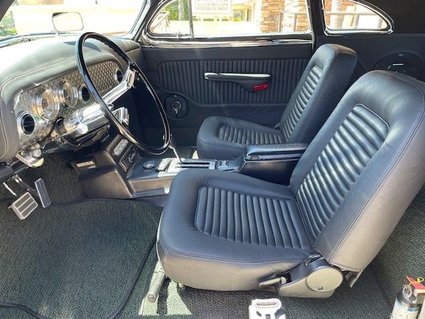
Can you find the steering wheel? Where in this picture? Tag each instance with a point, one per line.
(132, 74)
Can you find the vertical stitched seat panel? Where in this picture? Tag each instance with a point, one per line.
(250, 219)
(247, 136)
(339, 166)
(307, 90)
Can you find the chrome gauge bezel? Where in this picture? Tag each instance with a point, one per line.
(20, 118)
(81, 94)
(68, 94)
(51, 111)
(118, 75)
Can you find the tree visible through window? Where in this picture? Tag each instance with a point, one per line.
(221, 18)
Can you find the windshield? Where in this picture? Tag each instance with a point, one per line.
(26, 17)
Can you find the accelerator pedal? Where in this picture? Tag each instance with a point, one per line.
(42, 193)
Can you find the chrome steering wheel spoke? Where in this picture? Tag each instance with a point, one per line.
(119, 117)
(126, 84)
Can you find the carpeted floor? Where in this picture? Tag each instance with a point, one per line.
(134, 307)
(74, 260)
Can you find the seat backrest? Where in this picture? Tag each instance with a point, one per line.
(363, 168)
(319, 90)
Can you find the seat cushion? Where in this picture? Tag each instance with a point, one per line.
(225, 138)
(231, 228)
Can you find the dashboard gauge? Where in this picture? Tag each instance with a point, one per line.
(68, 94)
(47, 104)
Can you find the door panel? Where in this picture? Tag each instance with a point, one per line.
(186, 79)
(179, 74)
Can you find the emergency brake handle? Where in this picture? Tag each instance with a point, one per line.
(253, 82)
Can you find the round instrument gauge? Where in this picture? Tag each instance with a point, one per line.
(68, 94)
(47, 104)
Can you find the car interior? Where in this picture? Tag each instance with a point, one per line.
(212, 159)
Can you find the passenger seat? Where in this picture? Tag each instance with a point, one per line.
(319, 90)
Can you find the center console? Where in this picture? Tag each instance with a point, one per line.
(119, 171)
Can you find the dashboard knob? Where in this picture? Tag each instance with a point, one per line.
(149, 165)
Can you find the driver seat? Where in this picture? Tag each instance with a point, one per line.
(226, 231)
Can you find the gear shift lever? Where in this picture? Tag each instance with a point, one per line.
(172, 146)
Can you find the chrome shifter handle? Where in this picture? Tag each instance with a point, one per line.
(172, 146)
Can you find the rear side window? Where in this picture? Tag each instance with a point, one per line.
(352, 16)
(230, 18)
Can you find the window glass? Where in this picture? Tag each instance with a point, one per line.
(347, 15)
(35, 16)
(173, 19)
(224, 18)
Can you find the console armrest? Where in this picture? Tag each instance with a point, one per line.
(274, 151)
(273, 163)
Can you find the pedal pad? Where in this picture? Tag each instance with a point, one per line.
(43, 195)
(24, 206)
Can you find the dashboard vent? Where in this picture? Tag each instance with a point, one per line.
(27, 124)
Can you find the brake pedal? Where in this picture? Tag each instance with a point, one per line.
(24, 205)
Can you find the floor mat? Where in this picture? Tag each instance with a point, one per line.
(364, 300)
(134, 306)
(75, 260)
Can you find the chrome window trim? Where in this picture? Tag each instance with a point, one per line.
(381, 13)
(186, 39)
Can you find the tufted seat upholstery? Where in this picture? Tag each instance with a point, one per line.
(320, 88)
(226, 231)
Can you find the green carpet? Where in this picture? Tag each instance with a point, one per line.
(134, 306)
(365, 300)
(75, 260)
(6, 313)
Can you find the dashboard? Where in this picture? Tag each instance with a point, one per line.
(44, 101)
(37, 109)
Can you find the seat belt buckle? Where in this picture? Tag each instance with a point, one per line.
(266, 308)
